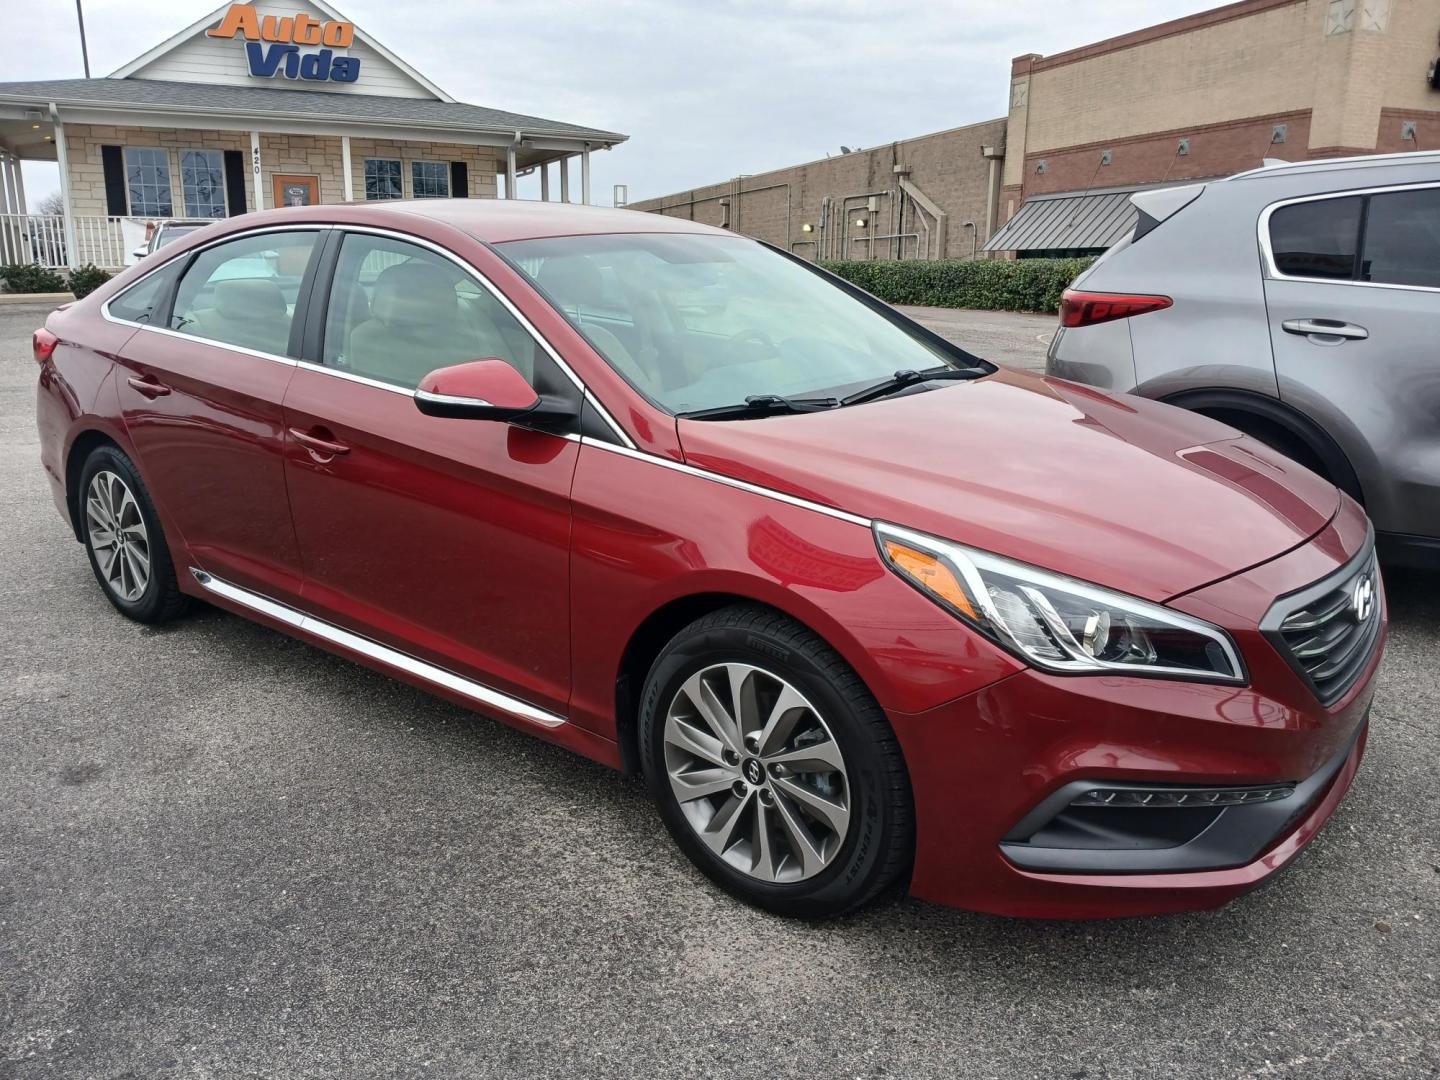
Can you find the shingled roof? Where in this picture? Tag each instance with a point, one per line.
(205, 98)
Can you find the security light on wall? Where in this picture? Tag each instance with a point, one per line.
(1040, 167)
(1278, 133)
(807, 227)
(860, 223)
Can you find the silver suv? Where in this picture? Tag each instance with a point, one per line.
(1299, 303)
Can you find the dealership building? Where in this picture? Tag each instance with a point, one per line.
(254, 106)
(1200, 97)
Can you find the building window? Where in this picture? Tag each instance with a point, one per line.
(147, 177)
(382, 179)
(202, 183)
(430, 179)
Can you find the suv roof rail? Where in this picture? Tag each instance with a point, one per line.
(1358, 161)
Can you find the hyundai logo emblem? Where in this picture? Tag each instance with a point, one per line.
(1362, 599)
(754, 771)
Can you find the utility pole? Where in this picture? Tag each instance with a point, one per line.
(84, 49)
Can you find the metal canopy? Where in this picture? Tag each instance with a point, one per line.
(1068, 220)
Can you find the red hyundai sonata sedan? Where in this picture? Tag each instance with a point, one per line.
(862, 608)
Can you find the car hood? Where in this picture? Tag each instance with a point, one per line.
(1117, 490)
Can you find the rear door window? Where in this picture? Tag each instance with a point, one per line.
(1402, 238)
(1317, 239)
(243, 292)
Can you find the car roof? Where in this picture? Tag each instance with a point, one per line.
(499, 220)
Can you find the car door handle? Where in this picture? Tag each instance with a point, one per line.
(319, 445)
(1327, 327)
(148, 385)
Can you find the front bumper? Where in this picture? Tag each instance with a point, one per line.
(985, 768)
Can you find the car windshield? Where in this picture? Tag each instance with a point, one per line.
(700, 322)
(170, 233)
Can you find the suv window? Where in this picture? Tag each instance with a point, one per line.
(1402, 238)
(1317, 239)
(398, 311)
(243, 292)
(137, 303)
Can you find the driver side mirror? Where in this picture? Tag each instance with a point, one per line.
(488, 389)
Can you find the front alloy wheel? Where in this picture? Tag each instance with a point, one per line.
(773, 766)
(757, 773)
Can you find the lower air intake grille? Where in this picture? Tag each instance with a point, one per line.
(1328, 631)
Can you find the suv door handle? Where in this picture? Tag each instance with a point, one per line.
(1327, 327)
(319, 445)
(148, 385)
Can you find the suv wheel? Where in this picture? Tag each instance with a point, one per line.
(124, 540)
(773, 767)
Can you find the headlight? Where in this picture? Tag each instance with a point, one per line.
(1058, 623)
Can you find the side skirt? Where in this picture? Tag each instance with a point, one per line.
(381, 654)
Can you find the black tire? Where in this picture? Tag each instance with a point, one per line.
(879, 845)
(161, 599)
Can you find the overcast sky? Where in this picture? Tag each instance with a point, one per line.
(705, 89)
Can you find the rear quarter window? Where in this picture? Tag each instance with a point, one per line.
(1317, 239)
(139, 302)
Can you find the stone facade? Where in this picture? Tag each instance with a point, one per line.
(287, 155)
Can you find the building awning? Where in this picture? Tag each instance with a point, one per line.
(1068, 221)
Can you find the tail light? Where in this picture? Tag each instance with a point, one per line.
(43, 342)
(1087, 308)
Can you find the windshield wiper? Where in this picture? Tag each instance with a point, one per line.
(763, 405)
(903, 379)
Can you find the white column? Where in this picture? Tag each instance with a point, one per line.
(20, 187)
(255, 171)
(545, 182)
(7, 184)
(585, 175)
(345, 167)
(7, 203)
(62, 156)
(564, 164)
(510, 171)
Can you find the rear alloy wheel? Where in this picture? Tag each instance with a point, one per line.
(124, 539)
(772, 765)
(117, 535)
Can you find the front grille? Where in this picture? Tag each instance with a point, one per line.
(1328, 631)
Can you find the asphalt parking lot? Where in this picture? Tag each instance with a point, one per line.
(227, 854)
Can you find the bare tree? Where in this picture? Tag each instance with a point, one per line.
(51, 204)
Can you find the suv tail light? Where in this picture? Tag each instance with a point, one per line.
(43, 342)
(1087, 308)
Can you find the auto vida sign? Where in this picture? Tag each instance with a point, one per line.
(295, 46)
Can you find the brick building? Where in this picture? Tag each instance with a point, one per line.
(262, 104)
(1203, 96)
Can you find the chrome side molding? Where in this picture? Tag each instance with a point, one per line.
(392, 658)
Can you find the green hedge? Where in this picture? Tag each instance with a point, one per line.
(990, 284)
(87, 279)
(31, 278)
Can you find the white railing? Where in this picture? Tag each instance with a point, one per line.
(40, 238)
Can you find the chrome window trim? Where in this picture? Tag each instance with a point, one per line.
(438, 676)
(1267, 252)
(286, 360)
(730, 481)
(506, 303)
(259, 229)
